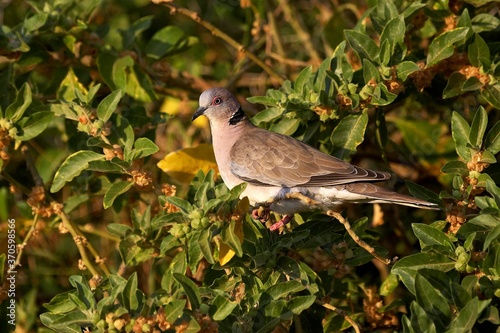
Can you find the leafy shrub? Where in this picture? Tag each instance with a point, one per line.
(411, 86)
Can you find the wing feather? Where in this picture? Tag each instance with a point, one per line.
(267, 158)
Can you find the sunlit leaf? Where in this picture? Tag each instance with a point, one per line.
(442, 46)
(348, 134)
(115, 191)
(72, 167)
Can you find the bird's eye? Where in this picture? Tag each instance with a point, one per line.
(216, 101)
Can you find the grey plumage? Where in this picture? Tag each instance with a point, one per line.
(275, 165)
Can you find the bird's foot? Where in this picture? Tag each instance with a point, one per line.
(284, 220)
(261, 213)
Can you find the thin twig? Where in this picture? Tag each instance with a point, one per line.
(356, 238)
(20, 247)
(225, 37)
(301, 31)
(80, 242)
(341, 312)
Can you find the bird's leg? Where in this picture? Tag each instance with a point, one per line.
(356, 238)
(284, 220)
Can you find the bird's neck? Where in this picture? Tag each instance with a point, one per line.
(224, 136)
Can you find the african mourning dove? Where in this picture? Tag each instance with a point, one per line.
(283, 173)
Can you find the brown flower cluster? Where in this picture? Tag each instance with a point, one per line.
(458, 62)
(169, 191)
(142, 179)
(111, 153)
(39, 205)
(6, 134)
(371, 305)
(206, 323)
(456, 212)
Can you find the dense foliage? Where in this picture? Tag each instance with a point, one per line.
(96, 93)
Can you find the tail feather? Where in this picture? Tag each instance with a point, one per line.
(377, 194)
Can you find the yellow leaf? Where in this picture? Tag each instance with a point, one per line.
(225, 252)
(170, 106)
(183, 164)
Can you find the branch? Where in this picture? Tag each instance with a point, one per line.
(218, 33)
(341, 312)
(356, 238)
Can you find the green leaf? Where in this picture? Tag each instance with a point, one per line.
(460, 130)
(467, 317)
(382, 96)
(301, 80)
(407, 267)
(129, 298)
(35, 22)
(190, 288)
(420, 137)
(479, 53)
(33, 125)
(70, 88)
(484, 22)
(118, 229)
(286, 126)
(184, 205)
(166, 41)
(60, 304)
(492, 94)
(492, 236)
(362, 44)
(492, 140)
(405, 68)
(221, 307)
(115, 190)
(67, 323)
(348, 134)
(454, 86)
(205, 242)
(143, 147)
(420, 320)
(431, 236)
(15, 111)
(433, 302)
(370, 72)
(229, 237)
(174, 309)
(455, 167)
(193, 250)
(135, 30)
(108, 105)
(442, 46)
(478, 128)
(283, 289)
(72, 167)
(393, 34)
(300, 303)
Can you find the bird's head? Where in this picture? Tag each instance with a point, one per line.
(219, 105)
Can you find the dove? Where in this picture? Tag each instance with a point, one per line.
(283, 174)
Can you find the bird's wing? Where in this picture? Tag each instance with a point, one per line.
(265, 158)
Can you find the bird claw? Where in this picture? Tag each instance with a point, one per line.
(284, 220)
(261, 214)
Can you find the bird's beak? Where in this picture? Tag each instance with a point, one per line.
(201, 110)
